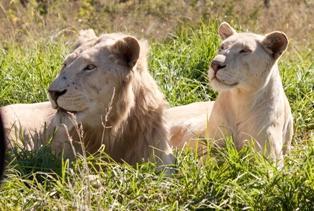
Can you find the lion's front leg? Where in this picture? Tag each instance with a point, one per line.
(166, 160)
(272, 145)
(62, 143)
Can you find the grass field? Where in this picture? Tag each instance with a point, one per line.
(224, 179)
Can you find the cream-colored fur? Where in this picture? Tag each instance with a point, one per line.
(251, 103)
(24, 123)
(188, 123)
(105, 89)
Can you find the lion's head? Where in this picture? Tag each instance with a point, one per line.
(94, 74)
(245, 60)
(106, 85)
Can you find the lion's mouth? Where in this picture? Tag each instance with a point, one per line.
(61, 109)
(67, 111)
(224, 83)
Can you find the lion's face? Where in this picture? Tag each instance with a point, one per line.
(244, 60)
(93, 73)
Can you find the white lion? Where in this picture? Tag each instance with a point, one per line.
(251, 103)
(105, 90)
(188, 123)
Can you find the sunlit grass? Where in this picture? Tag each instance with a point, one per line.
(223, 179)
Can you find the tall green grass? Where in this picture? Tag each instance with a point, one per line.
(223, 179)
(27, 71)
(180, 64)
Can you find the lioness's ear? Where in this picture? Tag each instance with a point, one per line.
(127, 49)
(225, 30)
(275, 43)
(85, 35)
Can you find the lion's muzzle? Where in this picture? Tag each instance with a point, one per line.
(54, 95)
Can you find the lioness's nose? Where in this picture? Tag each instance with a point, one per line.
(217, 65)
(54, 94)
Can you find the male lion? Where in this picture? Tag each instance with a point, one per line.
(251, 102)
(105, 90)
(188, 123)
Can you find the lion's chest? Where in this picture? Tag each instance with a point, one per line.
(254, 125)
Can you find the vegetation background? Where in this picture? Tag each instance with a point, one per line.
(35, 35)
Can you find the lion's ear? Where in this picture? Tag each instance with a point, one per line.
(225, 30)
(127, 49)
(275, 43)
(85, 35)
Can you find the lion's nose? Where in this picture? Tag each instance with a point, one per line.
(217, 65)
(54, 94)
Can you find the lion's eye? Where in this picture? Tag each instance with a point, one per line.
(89, 67)
(245, 50)
(222, 47)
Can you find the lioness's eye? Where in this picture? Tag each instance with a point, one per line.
(89, 67)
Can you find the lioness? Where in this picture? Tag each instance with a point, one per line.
(251, 102)
(105, 90)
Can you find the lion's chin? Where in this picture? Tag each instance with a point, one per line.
(220, 85)
(61, 109)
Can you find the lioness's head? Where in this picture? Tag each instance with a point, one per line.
(93, 74)
(245, 60)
